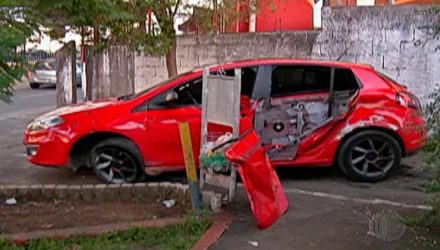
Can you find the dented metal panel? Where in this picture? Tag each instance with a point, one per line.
(266, 195)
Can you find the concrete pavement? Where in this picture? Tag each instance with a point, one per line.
(319, 219)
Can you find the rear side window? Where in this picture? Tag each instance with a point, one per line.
(299, 79)
(345, 80)
(248, 76)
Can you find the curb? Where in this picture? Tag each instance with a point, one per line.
(91, 192)
(214, 232)
(23, 238)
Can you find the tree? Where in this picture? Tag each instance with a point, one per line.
(165, 12)
(117, 22)
(13, 32)
(100, 22)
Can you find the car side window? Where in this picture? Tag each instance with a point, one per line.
(187, 94)
(345, 80)
(299, 79)
(248, 76)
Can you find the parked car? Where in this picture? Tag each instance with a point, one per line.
(44, 73)
(319, 113)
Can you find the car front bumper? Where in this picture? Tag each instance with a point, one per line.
(46, 148)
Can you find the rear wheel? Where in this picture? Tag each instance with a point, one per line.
(117, 160)
(369, 156)
(34, 85)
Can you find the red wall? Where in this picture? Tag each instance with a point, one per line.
(281, 15)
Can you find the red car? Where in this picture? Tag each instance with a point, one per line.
(314, 113)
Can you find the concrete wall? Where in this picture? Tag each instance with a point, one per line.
(396, 40)
(196, 51)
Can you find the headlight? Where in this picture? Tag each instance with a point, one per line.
(44, 123)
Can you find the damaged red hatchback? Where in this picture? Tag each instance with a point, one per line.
(313, 113)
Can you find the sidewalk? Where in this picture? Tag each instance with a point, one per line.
(333, 213)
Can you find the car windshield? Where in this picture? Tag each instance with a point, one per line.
(45, 65)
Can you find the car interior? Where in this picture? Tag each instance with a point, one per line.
(298, 100)
(302, 99)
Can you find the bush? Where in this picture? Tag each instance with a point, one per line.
(432, 150)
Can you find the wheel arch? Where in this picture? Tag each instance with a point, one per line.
(79, 153)
(387, 131)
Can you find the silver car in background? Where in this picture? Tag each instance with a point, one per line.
(44, 73)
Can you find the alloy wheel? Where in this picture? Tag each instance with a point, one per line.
(372, 157)
(115, 165)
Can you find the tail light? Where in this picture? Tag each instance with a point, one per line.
(29, 74)
(408, 100)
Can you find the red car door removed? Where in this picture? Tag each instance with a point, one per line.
(266, 195)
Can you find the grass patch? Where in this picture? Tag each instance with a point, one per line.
(181, 236)
(428, 219)
(432, 157)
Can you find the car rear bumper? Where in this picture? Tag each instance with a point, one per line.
(42, 80)
(413, 132)
(45, 148)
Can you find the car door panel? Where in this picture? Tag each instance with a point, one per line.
(265, 193)
(164, 148)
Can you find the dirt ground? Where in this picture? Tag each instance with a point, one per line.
(39, 215)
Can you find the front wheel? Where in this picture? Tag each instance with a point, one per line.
(369, 156)
(117, 160)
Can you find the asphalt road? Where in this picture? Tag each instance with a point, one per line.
(14, 168)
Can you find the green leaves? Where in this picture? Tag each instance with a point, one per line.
(13, 33)
(432, 150)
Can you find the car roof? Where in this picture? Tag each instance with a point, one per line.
(268, 61)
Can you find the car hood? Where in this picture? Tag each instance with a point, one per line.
(82, 107)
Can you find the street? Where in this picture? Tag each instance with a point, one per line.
(14, 168)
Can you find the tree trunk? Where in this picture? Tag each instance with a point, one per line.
(142, 25)
(171, 60)
(96, 35)
(66, 75)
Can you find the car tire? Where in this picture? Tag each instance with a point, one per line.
(117, 160)
(369, 156)
(34, 85)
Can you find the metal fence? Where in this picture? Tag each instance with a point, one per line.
(35, 56)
